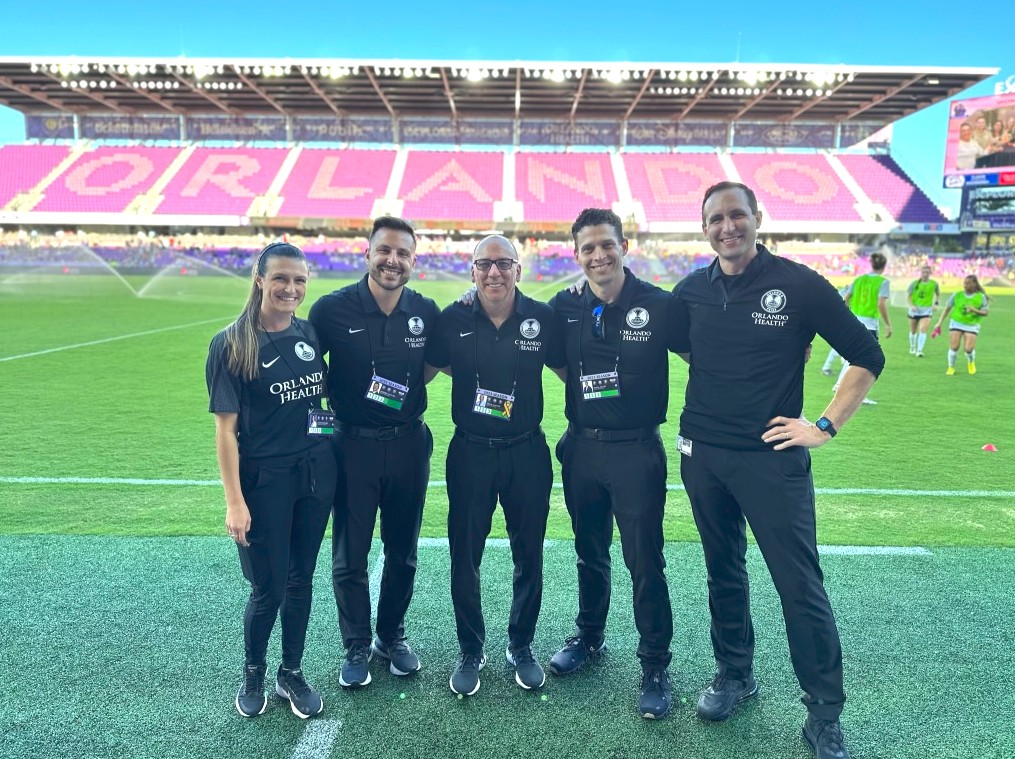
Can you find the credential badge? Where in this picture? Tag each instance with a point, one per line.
(304, 351)
(637, 318)
(415, 325)
(529, 329)
(773, 301)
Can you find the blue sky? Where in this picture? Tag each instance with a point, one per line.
(862, 32)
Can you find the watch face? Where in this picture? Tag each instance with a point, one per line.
(823, 424)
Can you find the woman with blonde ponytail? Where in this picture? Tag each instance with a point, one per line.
(266, 381)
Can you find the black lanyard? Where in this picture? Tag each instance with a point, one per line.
(284, 359)
(581, 335)
(475, 339)
(370, 344)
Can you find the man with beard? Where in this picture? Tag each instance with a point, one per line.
(375, 332)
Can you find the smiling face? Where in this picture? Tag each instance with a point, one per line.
(391, 257)
(965, 133)
(283, 286)
(600, 254)
(495, 286)
(731, 228)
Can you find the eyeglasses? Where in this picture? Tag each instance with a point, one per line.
(599, 325)
(484, 264)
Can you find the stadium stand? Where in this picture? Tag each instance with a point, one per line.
(799, 187)
(884, 181)
(221, 181)
(106, 179)
(671, 186)
(22, 167)
(452, 186)
(341, 183)
(552, 185)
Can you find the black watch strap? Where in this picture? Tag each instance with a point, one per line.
(825, 425)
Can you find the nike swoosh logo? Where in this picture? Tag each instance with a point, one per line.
(571, 321)
(270, 362)
(464, 334)
(354, 331)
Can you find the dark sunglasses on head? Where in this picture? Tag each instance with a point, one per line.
(484, 264)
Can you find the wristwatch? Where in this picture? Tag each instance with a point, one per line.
(825, 425)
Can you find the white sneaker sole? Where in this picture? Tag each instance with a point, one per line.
(511, 661)
(242, 713)
(474, 691)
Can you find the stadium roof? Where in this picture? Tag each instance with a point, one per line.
(499, 89)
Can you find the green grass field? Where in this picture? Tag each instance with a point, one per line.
(123, 597)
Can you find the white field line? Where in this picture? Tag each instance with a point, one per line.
(375, 581)
(113, 339)
(437, 484)
(318, 739)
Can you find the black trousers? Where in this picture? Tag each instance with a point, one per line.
(522, 477)
(626, 481)
(774, 492)
(289, 509)
(390, 475)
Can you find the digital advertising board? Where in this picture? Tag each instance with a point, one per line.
(980, 148)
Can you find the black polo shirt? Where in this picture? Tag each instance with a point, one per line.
(639, 330)
(511, 356)
(746, 336)
(359, 339)
(272, 408)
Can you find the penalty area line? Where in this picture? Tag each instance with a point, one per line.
(112, 339)
(439, 484)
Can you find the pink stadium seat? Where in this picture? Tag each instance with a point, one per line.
(671, 186)
(886, 183)
(24, 166)
(336, 183)
(557, 186)
(797, 187)
(107, 179)
(449, 186)
(221, 181)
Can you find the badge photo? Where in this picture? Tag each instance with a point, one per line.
(529, 329)
(305, 351)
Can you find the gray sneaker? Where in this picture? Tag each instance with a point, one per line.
(401, 659)
(355, 671)
(528, 674)
(465, 677)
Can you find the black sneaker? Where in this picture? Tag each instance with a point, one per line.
(528, 673)
(576, 653)
(355, 672)
(720, 699)
(304, 700)
(654, 700)
(465, 677)
(401, 660)
(825, 738)
(250, 700)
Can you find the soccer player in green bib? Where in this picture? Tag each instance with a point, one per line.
(867, 297)
(922, 297)
(967, 309)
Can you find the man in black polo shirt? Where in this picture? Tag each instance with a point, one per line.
(494, 350)
(375, 333)
(616, 335)
(746, 321)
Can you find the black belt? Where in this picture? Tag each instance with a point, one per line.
(496, 442)
(613, 436)
(378, 433)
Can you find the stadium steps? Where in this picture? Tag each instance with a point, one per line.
(146, 203)
(867, 208)
(272, 200)
(508, 209)
(626, 207)
(390, 204)
(35, 195)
